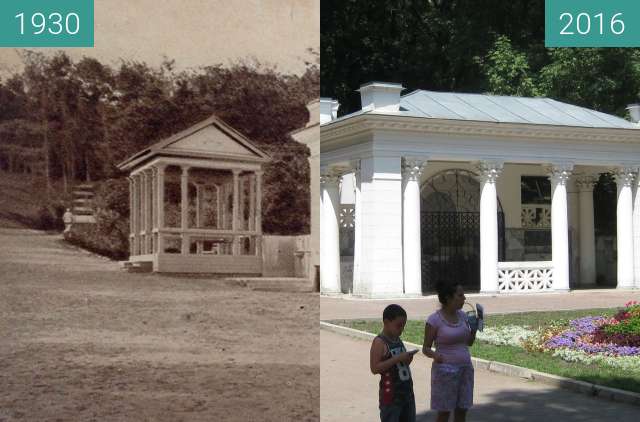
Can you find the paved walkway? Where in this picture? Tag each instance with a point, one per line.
(348, 392)
(345, 307)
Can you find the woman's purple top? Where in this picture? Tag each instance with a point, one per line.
(451, 339)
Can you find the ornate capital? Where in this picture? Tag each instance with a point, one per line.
(560, 173)
(330, 176)
(489, 171)
(625, 176)
(412, 168)
(586, 182)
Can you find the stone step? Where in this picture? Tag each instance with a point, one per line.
(82, 210)
(84, 219)
(137, 266)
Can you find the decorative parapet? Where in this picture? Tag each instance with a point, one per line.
(533, 276)
(535, 216)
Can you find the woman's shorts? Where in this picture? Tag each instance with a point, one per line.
(451, 386)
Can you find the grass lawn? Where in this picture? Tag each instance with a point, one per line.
(603, 375)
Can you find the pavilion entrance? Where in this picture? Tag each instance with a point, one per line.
(450, 230)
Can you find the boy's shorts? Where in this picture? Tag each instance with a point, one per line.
(451, 387)
(399, 412)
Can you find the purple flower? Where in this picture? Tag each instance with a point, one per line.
(580, 337)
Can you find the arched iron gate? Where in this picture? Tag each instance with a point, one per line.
(451, 248)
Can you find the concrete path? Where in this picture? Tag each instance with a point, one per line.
(349, 392)
(345, 307)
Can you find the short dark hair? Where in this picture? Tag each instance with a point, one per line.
(392, 312)
(446, 290)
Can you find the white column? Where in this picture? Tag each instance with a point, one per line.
(330, 234)
(184, 210)
(624, 211)
(489, 173)
(636, 234)
(586, 232)
(357, 228)
(160, 206)
(559, 174)
(411, 252)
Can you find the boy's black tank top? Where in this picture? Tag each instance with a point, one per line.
(396, 385)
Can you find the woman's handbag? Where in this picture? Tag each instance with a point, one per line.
(475, 317)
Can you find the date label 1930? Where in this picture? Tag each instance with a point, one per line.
(592, 23)
(46, 23)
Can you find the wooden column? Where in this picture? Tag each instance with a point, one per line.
(184, 213)
(144, 213)
(136, 213)
(236, 205)
(132, 223)
(198, 205)
(160, 206)
(149, 205)
(252, 202)
(258, 216)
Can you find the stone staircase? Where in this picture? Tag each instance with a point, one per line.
(82, 208)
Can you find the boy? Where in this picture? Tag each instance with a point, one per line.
(390, 359)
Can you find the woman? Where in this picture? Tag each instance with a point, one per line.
(451, 372)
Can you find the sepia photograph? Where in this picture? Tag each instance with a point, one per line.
(159, 250)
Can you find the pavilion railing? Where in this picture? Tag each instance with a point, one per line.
(528, 276)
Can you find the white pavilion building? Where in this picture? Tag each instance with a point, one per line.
(493, 192)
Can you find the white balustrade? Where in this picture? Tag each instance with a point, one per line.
(533, 276)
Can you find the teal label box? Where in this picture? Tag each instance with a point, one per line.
(46, 23)
(592, 23)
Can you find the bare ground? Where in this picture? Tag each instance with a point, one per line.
(82, 340)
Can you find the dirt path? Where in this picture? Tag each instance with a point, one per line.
(82, 340)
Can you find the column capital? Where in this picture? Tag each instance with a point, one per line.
(586, 182)
(236, 172)
(624, 175)
(185, 170)
(560, 173)
(412, 168)
(330, 179)
(331, 175)
(489, 170)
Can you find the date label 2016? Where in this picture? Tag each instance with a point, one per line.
(592, 23)
(46, 23)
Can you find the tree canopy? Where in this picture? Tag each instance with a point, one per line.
(483, 46)
(75, 121)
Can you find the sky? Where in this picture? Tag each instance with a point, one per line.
(199, 33)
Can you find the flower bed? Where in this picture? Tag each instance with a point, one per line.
(612, 341)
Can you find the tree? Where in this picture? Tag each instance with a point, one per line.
(507, 71)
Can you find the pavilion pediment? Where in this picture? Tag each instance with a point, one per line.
(210, 140)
